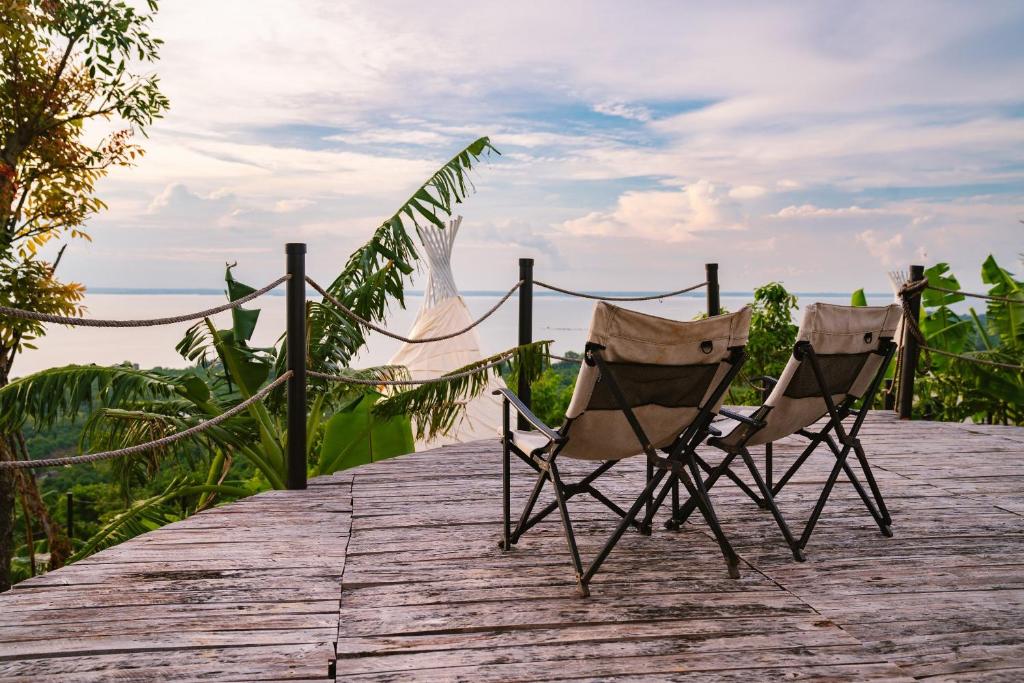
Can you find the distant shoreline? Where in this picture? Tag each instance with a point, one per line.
(156, 291)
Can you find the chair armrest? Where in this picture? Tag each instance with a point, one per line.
(739, 418)
(521, 408)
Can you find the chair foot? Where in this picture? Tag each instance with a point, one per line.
(763, 504)
(582, 590)
(798, 555)
(887, 531)
(646, 529)
(672, 524)
(734, 571)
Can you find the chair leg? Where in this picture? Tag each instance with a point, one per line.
(875, 514)
(506, 493)
(624, 523)
(770, 503)
(823, 498)
(601, 498)
(700, 494)
(875, 491)
(734, 478)
(690, 505)
(645, 526)
(524, 518)
(570, 538)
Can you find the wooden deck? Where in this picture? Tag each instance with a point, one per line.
(391, 573)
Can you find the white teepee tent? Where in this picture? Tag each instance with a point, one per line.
(443, 312)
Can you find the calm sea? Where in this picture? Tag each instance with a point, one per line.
(557, 317)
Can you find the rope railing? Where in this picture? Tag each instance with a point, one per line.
(296, 374)
(150, 445)
(596, 297)
(152, 322)
(352, 315)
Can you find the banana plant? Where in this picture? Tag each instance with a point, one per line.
(955, 388)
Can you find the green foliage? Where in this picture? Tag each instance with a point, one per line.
(355, 435)
(956, 389)
(771, 339)
(552, 391)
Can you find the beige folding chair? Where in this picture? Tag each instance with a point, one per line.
(839, 360)
(647, 383)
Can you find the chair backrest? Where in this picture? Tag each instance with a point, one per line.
(668, 370)
(850, 344)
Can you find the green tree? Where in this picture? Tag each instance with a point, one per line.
(770, 342)
(63, 63)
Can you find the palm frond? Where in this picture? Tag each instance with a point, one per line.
(435, 407)
(375, 273)
(65, 392)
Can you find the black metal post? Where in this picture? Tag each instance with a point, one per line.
(70, 498)
(889, 396)
(296, 345)
(911, 350)
(714, 298)
(525, 330)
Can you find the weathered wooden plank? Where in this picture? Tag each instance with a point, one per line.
(406, 547)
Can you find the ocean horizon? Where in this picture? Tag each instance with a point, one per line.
(558, 317)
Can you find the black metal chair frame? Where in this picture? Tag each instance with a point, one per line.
(681, 455)
(874, 503)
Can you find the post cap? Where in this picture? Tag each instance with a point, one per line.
(295, 248)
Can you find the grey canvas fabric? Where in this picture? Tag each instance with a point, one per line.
(667, 368)
(846, 340)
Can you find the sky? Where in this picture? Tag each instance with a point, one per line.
(820, 144)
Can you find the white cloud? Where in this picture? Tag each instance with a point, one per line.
(889, 250)
(669, 216)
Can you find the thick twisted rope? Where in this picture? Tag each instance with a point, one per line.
(349, 313)
(345, 379)
(92, 322)
(150, 445)
(565, 359)
(584, 295)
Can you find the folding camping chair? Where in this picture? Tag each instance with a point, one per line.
(646, 383)
(840, 358)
